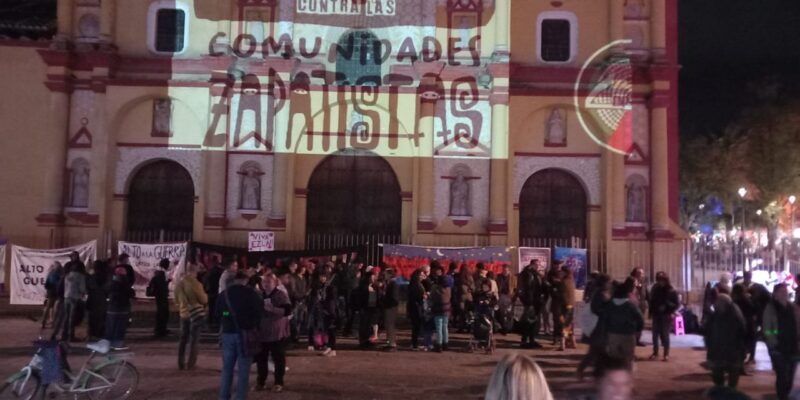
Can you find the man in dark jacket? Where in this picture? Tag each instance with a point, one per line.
(120, 294)
(211, 285)
(663, 303)
(532, 295)
(159, 288)
(622, 320)
(239, 308)
(390, 301)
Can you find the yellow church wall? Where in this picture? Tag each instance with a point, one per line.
(24, 142)
(528, 126)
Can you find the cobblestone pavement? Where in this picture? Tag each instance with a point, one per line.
(366, 375)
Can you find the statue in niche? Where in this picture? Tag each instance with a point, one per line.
(162, 117)
(250, 189)
(634, 8)
(635, 206)
(556, 128)
(459, 196)
(80, 186)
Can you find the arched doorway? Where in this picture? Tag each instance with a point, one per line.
(353, 193)
(160, 203)
(552, 209)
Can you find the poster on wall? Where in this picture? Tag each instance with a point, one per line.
(29, 268)
(528, 254)
(575, 259)
(260, 241)
(405, 259)
(144, 259)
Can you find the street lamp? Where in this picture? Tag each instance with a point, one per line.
(742, 193)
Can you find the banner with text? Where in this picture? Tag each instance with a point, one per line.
(528, 254)
(405, 259)
(144, 259)
(575, 259)
(260, 241)
(29, 268)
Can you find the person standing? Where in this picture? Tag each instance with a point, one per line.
(749, 311)
(239, 309)
(74, 295)
(598, 338)
(780, 334)
(297, 292)
(124, 262)
(211, 285)
(663, 303)
(96, 301)
(273, 332)
(159, 288)
(506, 288)
(725, 342)
(120, 294)
(415, 306)
(568, 280)
(322, 313)
(530, 293)
(390, 302)
(558, 303)
(760, 297)
(53, 286)
(191, 299)
(639, 296)
(368, 304)
(622, 320)
(440, 309)
(465, 288)
(228, 275)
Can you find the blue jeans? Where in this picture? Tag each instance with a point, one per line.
(440, 322)
(232, 352)
(116, 327)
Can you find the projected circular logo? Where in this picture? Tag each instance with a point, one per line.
(602, 97)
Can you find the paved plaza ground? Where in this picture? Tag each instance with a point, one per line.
(367, 375)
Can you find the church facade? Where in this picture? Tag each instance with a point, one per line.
(330, 122)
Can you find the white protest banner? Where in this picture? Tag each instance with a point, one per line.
(526, 254)
(144, 259)
(260, 241)
(29, 268)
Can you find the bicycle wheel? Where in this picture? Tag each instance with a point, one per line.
(123, 377)
(20, 387)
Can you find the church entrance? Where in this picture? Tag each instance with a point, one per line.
(353, 197)
(160, 203)
(552, 210)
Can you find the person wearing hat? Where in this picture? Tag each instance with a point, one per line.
(159, 288)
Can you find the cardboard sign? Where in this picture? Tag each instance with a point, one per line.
(260, 241)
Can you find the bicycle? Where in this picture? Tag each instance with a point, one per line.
(104, 375)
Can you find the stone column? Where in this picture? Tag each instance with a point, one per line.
(65, 10)
(426, 183)
(107, 9)
(498, 208)
(502, 10)
(616, 20)
(617, 191)
(280, 169)
(658, 28)
(660, 163)
(55, 162)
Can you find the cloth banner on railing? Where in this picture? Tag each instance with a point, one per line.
(528, 254)
(29, 268)
(144, 259)
(405, 259)
(575, 259)
(202, 252)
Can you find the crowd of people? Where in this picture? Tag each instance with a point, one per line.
(259, 312)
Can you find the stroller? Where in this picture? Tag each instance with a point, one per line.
(483, 324)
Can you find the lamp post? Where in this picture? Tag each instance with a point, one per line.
(742, 193)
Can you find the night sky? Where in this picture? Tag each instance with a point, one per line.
(724, 44)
